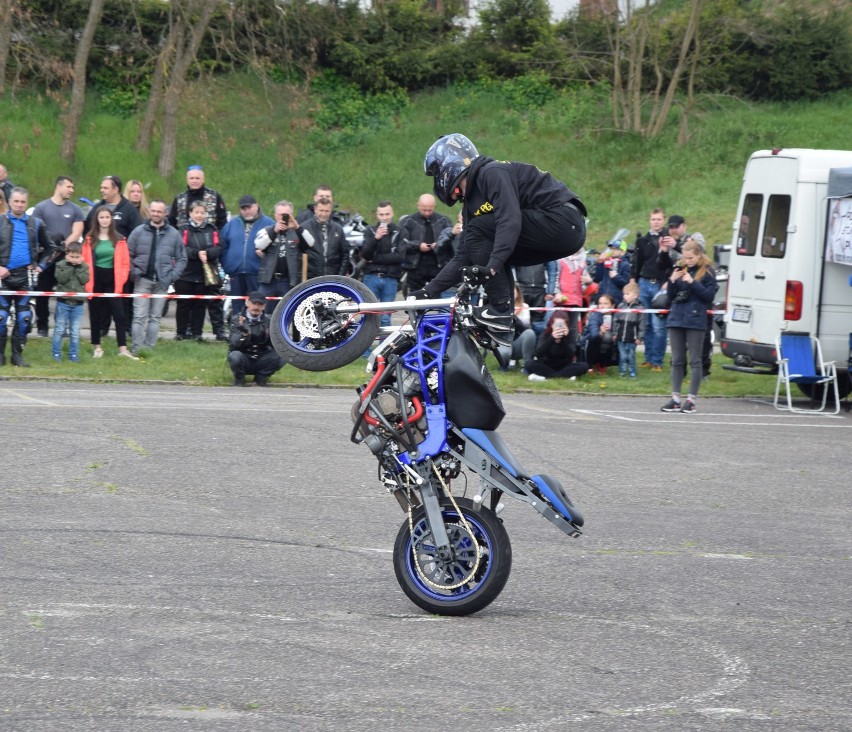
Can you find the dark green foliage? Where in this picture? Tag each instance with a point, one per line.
(760, 49)
(792, 54)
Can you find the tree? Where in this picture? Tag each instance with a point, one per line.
(189, 21)
(78, 89)
(645, 42)
(5, 39)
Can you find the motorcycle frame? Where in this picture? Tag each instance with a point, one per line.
(482, 452)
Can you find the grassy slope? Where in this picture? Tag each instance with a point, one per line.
(255, 138)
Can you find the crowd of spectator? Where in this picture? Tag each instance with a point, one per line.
(582, 314)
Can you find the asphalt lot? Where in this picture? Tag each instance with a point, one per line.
(220, 559)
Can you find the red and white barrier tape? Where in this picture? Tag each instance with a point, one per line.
(172, 296)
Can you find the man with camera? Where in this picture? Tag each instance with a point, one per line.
(250, 350)
(652, 264)
(279, 246)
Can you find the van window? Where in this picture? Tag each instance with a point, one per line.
(749, 224)
(775, 230)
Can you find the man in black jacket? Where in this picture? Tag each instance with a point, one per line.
(382, 257)
(514, 215)
(324, 241)
(651, 266)
(250, 348)
(124, 213)
(418, 235)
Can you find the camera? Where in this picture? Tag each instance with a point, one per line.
(680, 265)
(664, 232)
(681, 296)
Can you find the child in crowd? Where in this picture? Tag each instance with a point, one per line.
(72, 274)
(629, 324)
(598, 336)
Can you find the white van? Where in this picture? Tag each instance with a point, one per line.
(791, 258)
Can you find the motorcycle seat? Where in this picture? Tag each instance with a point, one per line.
(493, 444)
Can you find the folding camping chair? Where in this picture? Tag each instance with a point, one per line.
(800, 362)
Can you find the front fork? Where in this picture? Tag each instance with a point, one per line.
(434, 515)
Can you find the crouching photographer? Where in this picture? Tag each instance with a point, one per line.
(250, 350)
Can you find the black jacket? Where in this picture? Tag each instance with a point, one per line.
(331, 259)
(649, 262)
(556, 354)
(37, 233)
(503, 189)
(125, 215)
(270, 243)
(382, 256)
(196, 238)
(250, 338)
(411, 234)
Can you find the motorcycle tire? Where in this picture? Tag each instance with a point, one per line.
(421, 578)
(313, 339)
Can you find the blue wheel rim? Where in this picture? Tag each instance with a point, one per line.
(465, 591)
(312, 345)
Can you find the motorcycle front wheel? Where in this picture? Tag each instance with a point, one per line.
(474, 576)
(307, 332)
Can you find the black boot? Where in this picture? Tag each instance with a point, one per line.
(18, 351)
(3, 338)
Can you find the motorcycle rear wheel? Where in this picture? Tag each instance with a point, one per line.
(307, 333)
(430, 584)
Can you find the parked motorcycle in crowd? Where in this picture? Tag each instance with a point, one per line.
(429, 413)
(354, 227)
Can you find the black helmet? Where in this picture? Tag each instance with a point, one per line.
(448, 158)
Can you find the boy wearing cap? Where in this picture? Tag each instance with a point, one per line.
(240, 258)
(250, 350)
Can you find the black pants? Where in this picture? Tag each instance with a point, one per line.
(601, 354)
(265, 364)
(546, 235)
(102, 308)
(46, 282)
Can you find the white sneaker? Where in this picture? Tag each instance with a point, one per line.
(537, 377)
(128, 354)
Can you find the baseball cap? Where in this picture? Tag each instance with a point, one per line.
(676, 220)
(698, 238)
(257, 296)
(247, 200)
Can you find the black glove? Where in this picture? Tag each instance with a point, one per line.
(418, 295)
(476, 275)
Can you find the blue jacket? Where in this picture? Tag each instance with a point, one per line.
(612, 285)
(238, 255)
(691, 301)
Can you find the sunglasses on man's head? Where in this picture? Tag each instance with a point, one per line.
(194, 167)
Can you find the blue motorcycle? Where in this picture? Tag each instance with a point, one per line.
(429, 413)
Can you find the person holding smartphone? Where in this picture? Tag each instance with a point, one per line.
(278, 246)
(382, 257)
(692, 287)
(555, 352)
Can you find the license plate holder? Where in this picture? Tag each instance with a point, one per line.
(741, 315)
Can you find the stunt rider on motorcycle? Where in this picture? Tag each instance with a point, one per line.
(514, 215)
